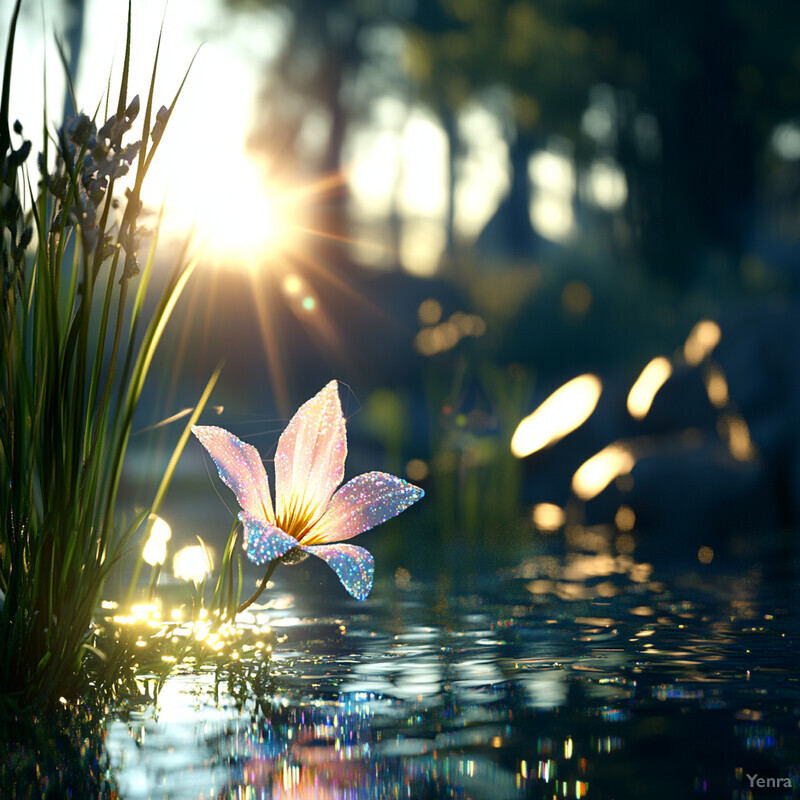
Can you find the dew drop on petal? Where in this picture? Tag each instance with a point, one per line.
(240, 468)
(309, 461)
(364, 502)
(264, 542)
(354, 566)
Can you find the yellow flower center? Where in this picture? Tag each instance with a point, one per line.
(297, 517)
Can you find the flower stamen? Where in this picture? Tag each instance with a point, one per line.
(297, 517)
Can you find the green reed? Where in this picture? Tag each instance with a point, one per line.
(75, 349)
(476, 481)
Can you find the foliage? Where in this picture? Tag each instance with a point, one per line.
(75, 349)
(55, 754)
(683, 99)
(473, 408)
(148, 650)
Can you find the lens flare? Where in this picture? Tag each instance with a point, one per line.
(564, 411)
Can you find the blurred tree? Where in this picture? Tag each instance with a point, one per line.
(693, 92)
(685, 96)
(316, 87)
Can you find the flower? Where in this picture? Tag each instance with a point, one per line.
(309, 515)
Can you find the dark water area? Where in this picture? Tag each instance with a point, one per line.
(563, 675)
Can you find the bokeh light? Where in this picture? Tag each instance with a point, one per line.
(625, 518)
(705, 555)
(417, 469)
(595, 474)
(192, 563)
(548, 516)
(444, 336)
(429, 311)
(702, 340)
(561, 413)
(644, 390)
(733, 429)
(716, 387)
(155, 549)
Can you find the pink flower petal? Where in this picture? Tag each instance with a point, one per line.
(263, 541)
(363, 503)
(240, 468)
(354, 565)
(309, 461)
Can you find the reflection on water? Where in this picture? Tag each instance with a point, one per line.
(503, 693)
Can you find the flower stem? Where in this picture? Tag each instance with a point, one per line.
(261, 586)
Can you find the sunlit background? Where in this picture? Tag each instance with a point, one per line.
(549, 250)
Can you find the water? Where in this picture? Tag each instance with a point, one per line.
(516, 686)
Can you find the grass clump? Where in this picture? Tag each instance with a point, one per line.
(75, 349)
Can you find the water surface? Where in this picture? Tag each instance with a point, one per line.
(550, 679)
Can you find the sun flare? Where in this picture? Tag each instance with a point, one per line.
(238, 219)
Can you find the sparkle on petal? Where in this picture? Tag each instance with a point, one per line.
(240, 468)
(364, 502)
(354, 565)
(263, 541)
(309, 461)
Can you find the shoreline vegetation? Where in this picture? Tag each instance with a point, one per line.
(75, 349)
